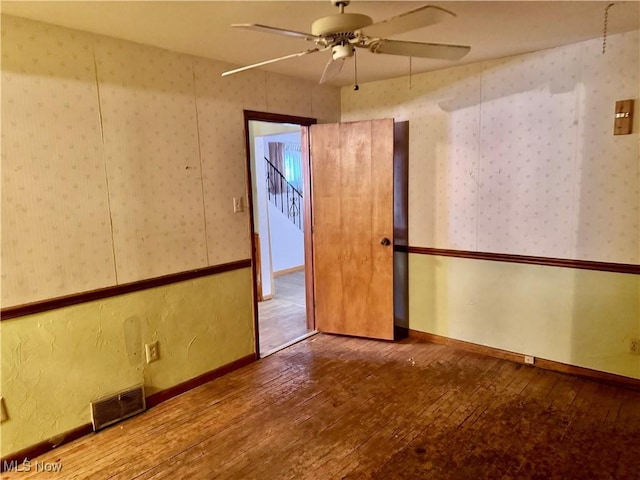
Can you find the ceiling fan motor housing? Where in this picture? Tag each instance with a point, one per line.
(340, 23)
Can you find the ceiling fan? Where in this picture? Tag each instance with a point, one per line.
(342, 33)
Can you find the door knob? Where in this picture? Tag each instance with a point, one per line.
(385, 241)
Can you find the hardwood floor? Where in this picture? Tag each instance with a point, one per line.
(283, 318)
(335, 407)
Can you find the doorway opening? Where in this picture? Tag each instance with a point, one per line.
(278, 166)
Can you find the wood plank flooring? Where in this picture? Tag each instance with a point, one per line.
(283, 318)
(335, 407)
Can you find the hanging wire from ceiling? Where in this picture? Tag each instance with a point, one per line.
(605, 26)
(410, 72)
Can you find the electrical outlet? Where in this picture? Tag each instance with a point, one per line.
(3, 411)
(238, 205)
(529, 360)
(152, 352)
(634, 346)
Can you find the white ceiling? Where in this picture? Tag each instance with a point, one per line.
(493, 29)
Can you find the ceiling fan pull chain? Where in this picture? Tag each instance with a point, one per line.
(606, 22)
(356, 87)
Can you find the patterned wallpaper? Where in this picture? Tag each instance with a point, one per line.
(608, 185)
(121, 161)
(56, 234)
(151, 152)
(517, 155)
(221, 124)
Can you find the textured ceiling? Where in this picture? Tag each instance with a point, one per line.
(493, 29)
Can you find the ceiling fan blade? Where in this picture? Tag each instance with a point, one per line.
(267, 62)
(438, 51)
(279, 31)
(418, 18)
(332, 69)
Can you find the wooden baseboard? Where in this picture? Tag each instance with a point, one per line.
(611, 378)
(16, 459)
(164, 395)
(286, 271)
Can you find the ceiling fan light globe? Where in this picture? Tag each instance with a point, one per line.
(345, 22)
(342, 51)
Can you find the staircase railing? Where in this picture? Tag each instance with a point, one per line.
(286, 197)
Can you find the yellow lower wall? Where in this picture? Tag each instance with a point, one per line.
(54, 363)
(579, 317)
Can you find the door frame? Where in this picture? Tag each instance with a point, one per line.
(305, 123)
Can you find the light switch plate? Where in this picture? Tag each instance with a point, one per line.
(623, 123)
(238, 205)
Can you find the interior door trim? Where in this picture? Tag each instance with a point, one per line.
(252, 115)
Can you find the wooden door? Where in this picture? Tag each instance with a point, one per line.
(352, 189)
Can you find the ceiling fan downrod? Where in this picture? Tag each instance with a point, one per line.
(340, 4)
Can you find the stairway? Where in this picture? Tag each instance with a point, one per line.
(283, 195)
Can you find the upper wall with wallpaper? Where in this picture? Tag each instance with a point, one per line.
(518, 155)
(120, 161)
